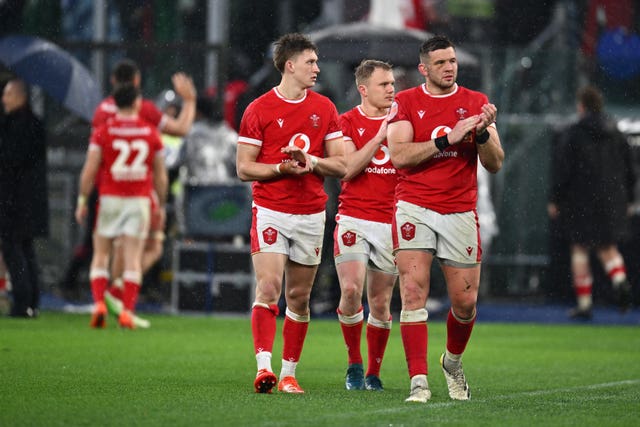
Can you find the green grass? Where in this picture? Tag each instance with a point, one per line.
(191, 371)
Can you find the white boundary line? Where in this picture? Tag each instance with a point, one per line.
(509, 396)
(405, 407)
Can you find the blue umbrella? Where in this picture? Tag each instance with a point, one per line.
(45, 64)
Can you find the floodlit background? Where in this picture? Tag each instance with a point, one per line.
(529, 56)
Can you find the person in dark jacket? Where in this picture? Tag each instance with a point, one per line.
(24, 213)
(592, 188)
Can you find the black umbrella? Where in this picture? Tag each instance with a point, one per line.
(353, 42)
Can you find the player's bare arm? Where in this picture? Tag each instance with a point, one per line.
(406, 153)
(334, 164)
(491, 154)
(357, 160)
(161, 187)
(249, 170)
(87, 179)
(301, 162)
(184, 87)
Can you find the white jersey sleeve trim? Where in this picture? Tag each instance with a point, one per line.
(251, 141)
(333, 135)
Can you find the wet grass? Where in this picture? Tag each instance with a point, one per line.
(188, 370)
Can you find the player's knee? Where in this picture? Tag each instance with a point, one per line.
(100, 261)
(413, 295)
(379, 305)
(464, 309)
(351, 292)
(268, 290)
(297, 296)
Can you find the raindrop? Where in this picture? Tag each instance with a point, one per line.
(526, 62)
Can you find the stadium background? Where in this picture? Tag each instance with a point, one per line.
(530, 59)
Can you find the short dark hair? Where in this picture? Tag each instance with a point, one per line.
(367, 67)
(125, 71)
(288, 46)
(209, 109)
(125, 95)
(436, 42)
(591, 99)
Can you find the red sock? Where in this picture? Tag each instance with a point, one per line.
(414, 340)
(458, 333)
(116, 291)
(293, 334)
(130, 295)
(263, 326)
(98, 286)
(616, 270)
(352, 333)
(582, 284)
(377, 339)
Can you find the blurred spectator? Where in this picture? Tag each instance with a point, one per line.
(24, 212)
(208, 152)
(592, 188)
(602, 15)
(611, 47)
(171, 104)
(207, 156)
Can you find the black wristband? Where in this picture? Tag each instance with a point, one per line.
(441, 142)
(482, 138)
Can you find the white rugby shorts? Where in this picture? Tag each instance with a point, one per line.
(298, 236)
(356, 239)
(117, 216)
(453, 238)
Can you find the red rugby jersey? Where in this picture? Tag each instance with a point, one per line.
(148, 111)
(128, 146)
(272, 122)
(370, 195)
(447, 183)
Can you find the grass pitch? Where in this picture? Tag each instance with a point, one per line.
(191, 371)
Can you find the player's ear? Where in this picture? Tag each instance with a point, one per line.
(288, 66)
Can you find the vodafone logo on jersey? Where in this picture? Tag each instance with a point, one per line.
(380, 160)
(301, 141)
(382, 156)
(440, 131)
(269, 235)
